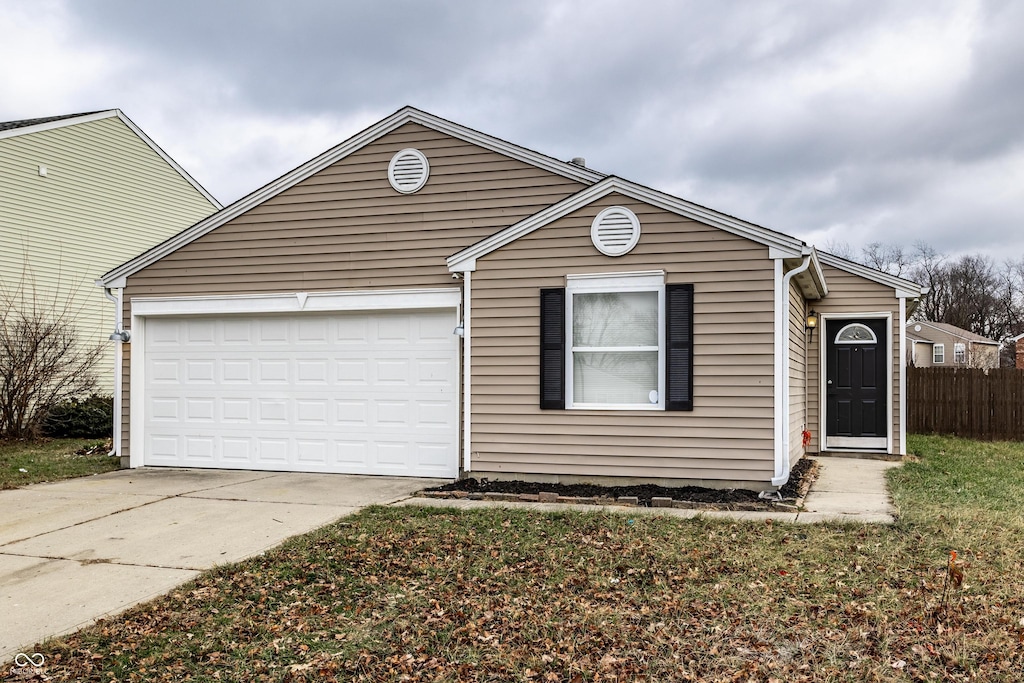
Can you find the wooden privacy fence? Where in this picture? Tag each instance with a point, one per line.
(966, 402)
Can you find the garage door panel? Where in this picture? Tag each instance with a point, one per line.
(164, 371)
(358, 393)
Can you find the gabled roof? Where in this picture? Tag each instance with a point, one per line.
(916, 337)
(599, 185)
(26, 123)
(945, 328)
(356, 142)
(784, 245)
(905, 289)
(12, 129)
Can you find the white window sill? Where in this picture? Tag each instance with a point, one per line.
(611, 406)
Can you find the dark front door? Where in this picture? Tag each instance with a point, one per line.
(856, 382)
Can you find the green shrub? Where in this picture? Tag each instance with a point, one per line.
(91, 417)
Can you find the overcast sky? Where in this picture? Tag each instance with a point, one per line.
(833, 121)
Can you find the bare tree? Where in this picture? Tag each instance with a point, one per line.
(42, 362)
(888, 258)
(971, 291)
(842, 249)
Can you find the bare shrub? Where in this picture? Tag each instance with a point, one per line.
(42, 361)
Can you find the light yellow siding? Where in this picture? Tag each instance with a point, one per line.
(849, 293)
(347, 228)
(106, 197)
(729, 434)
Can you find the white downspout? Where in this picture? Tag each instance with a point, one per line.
(903, 376)
(467, 374)
(115, 438)
(782, 368)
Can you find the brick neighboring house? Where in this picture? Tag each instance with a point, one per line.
(1018, 351)
(932, 344)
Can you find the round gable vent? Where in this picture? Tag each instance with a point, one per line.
(408, 171)
(615, 231)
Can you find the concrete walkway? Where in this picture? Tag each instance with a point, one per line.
(74, 551)
(847, 490)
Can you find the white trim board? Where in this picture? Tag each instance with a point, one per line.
(905, 289)
(59, 123)
(366, 300)
(335, 154)
(823, 444)
(465, 260)
(143, 308)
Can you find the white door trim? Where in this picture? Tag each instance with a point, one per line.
(365, 300)
(846, 443)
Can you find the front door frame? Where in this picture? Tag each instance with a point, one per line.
(823, 377)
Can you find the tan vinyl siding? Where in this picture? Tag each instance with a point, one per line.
(977, 354)
(347, 228)
(797, 372)
(729, 434)
(849, 293)
(922, 350)
(107, 196)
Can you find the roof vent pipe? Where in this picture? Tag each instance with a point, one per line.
(579, 161)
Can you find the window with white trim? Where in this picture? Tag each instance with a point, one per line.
(617, 342)
(614, 329)
(938, 354)
(959, 353)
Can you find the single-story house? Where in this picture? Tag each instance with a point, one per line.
(428, 300)
(942, 345)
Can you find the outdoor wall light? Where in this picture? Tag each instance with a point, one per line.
(812, 322)
(460, 330)
(120, 336)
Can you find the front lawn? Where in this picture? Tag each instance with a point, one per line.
(398, 594)
(32, 462)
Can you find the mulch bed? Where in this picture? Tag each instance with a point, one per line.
(644, 495)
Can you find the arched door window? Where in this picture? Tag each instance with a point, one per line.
(856, 333)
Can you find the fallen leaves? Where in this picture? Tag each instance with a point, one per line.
(422, 595)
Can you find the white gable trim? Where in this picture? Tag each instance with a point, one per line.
(990, 342)
(60, 123)
(335, 154)
(108, 114)
(905, 289)
(466, 259)
(163, 155)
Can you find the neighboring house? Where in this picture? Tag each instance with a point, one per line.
(919, 349)
(1018, 351)
(947, 346)
(427, 300)
(80, 194)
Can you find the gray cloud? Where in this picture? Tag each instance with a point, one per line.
(834, 120)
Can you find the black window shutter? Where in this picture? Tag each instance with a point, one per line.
(552, 349)
(679, 347)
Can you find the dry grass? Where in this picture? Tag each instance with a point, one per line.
(423, 594)
(24, 462)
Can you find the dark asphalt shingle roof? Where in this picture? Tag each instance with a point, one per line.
(24, 123)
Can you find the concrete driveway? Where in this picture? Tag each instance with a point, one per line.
(74, 551)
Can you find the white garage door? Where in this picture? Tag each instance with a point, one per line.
(349, 393)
